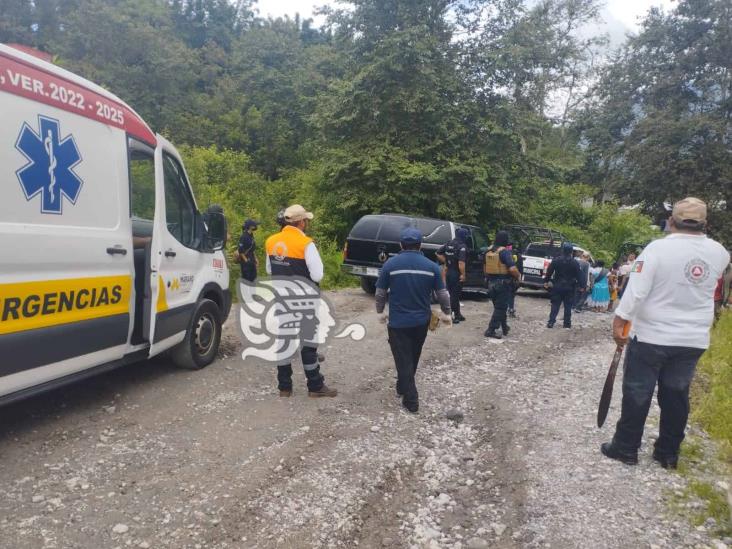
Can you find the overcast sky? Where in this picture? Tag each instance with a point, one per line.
(620, 16)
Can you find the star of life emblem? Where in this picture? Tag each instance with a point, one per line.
(49, 171)
(278, 316)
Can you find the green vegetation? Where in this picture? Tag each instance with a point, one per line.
(713, 390)
(483, 112)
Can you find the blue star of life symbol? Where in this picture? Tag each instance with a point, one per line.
(50, 168)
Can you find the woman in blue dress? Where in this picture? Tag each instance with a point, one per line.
(600, 297)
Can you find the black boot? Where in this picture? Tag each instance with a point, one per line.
(492, 334)
(667, 462)
(460, 317)
(550, 324)
(608, 450)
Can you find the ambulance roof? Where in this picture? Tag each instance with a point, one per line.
(31, 77)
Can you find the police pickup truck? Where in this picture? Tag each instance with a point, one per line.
(375, 238)
(106, 259)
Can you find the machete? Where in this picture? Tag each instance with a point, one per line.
(607, 390)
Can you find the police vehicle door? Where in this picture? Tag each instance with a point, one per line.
(176, 242)
(477, 245)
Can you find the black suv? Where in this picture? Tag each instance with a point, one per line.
(375, 238)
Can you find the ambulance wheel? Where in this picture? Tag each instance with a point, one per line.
(203, 336)
(368, 285)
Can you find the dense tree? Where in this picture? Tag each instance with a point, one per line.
(661, 127)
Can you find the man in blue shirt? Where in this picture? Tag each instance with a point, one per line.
(409, 278)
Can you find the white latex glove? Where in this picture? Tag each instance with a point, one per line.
(383, 317)
(445, 319)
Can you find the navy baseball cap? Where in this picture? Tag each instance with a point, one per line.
(462, 233)
(410, 235)
(567, 247)
(250, 223)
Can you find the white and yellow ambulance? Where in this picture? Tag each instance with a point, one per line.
(104, 256)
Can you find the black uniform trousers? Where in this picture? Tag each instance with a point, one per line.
(249, 271)
(499, 290)
(406, 346)
(454, 287)
(562, 295)
(311, 366)
(646, 365)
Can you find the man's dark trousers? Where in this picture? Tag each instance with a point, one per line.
(309, 357)
(580, 298)
(249, 271)
(673, 369)
(455, 287)
(500, 291)
(406, 346)
(562, 295)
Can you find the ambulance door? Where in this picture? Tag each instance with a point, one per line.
(176, 247)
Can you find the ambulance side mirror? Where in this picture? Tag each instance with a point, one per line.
(216, 228)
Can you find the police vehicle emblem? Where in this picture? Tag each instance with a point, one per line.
(50, 168)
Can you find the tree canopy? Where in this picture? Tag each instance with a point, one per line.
(483, 111)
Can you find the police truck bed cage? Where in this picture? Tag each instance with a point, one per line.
(523, 235)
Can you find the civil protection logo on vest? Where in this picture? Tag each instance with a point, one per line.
(278, 316)
(279, 251)
(697, 271)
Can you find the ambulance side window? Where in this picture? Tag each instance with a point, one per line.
(142, 181)
(180, 212)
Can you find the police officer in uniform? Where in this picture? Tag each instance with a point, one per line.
(247, 259)
(500, 270)
(453, 255)
(565, 275)
(292, 253)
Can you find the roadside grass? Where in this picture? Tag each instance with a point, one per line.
(706, 458)
(712, 396)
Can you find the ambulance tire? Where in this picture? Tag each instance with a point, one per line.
(201, 344)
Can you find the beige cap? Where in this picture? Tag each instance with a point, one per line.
(297, 213)
(690, 209)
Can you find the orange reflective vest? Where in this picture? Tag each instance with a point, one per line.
(286, 251)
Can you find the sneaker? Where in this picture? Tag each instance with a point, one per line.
(411, 406)
(667, 462)
(567, 326)
(456, 320)
(324, 391)
(492, 334)
(610, 451)
(461, 318)
(285, 392)
(550, 325)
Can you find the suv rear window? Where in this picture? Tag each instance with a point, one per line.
(542, 250)
(367, 227)
(392, 228)
(434, 232)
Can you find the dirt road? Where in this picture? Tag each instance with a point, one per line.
(151, 456)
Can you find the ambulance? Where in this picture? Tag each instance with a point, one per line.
(105, 258)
